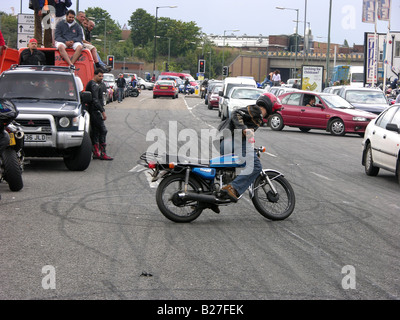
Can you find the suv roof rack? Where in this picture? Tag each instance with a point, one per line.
(43, 68)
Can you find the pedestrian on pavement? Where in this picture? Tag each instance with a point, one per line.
(97, 116)
(32, 56)
(121, 84)
(69, 35)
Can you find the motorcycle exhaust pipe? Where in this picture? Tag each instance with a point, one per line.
(202, 198)
(19, 134)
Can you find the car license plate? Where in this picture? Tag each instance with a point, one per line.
(12, 139)
(35, 137)
(163, 88)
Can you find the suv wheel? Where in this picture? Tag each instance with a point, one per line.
(78, 159)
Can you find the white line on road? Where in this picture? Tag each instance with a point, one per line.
(321, 176)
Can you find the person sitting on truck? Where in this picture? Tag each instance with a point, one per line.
(69, 35)
(32, 56)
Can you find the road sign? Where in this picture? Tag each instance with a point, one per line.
(23, 40)
(26, 29)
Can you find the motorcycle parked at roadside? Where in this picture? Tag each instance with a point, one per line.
(186, 188)
(11, 146)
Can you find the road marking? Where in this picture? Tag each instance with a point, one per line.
(321, 176)
(138, 168)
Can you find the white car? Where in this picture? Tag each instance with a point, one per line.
(239, 97)
(381, 143)
(277, 91)
(145, 85)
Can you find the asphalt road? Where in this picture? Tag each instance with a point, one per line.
(98, 234)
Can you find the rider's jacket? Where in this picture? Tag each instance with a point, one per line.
(249, 117)
(97, 96)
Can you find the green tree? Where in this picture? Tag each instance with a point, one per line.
(142, 27)
(9, 27)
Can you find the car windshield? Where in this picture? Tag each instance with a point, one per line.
(247, 94)
(108, 77)
(365, 96)
(217, 89)
(38, 86)
(336, 102)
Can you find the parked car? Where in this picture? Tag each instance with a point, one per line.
(210, 88)
(109, 81)
(277, 91)
(330, 112)
(381, 144)
(290, 83)
(334, 89)
(367, 99)
(165, 88)
(144, 84)
(214, 97)
(231, 82)
(239, 97)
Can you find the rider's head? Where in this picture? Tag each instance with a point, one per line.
(269, 102)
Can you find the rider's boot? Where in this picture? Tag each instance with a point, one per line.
(104, 155)
(96, 151)
(230, 192)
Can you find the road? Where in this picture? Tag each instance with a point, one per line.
(98, 234)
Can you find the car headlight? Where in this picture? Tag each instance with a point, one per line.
(64, 122)
(360, 119)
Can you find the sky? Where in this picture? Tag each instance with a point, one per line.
(250, 17)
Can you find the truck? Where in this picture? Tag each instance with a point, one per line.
(51, 103)
(340, 74)
(348, 75)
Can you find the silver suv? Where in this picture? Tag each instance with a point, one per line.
(51, 112)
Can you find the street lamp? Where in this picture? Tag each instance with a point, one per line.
(297, 35)
(223, 48)
(209, 76)
(155, 36)
(329, 43)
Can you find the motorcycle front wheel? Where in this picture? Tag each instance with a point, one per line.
(273, 206)
(169, 203)
(12, 170)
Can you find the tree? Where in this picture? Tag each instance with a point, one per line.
(142, 27)
(345, 44)
(9, 27)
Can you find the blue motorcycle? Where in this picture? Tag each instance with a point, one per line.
(188, 188)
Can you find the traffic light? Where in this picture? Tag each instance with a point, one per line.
(166, 67)
(110, 61)
(225, 71)
(202, 66)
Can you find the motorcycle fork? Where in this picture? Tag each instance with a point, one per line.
(269, 182)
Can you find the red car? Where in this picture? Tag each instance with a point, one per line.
(213, 99)
(311, 110)
(165, 88)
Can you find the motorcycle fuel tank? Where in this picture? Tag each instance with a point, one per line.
(227, 161)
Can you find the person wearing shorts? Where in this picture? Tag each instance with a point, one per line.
(69, 35)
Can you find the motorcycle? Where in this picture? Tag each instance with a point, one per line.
(133, 91)
(11, 146)
(186, 189)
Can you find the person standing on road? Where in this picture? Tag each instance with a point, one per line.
(32, 56)
(121, 84)
(276, 79)
(98, 116)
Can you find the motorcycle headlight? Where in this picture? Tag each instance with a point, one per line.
(360, 119)
(64, 122)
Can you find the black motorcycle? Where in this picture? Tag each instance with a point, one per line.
(133, 91)
(11, 146)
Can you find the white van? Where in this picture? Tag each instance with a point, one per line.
(230, 83)
(356, 76)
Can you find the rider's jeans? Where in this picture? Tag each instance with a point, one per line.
(253, 165)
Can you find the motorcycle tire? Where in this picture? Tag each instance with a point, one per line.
(12, 170)
(180, 213)
(274, 207)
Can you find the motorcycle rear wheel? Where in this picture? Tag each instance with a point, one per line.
(274, 206)
(168, 188)
(12, 170)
